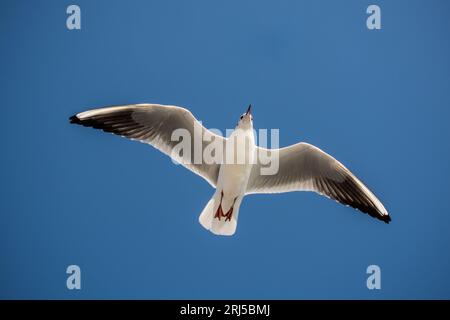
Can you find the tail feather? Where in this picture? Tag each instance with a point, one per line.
(223, 226)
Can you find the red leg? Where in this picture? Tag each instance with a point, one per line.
(228, 215)
(230, 212)
(219, 212)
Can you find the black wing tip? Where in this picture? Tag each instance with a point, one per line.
(386, 218)
(75, 119)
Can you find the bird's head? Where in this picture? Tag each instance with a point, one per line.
(246, 120)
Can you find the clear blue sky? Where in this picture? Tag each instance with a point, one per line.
(376, 100)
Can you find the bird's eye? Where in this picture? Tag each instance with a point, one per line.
(242, 117)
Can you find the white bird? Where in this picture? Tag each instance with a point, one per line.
(302, 167)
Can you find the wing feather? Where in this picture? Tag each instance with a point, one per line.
(304, 167)
(154, 124)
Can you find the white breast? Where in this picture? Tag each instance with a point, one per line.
(239, 155)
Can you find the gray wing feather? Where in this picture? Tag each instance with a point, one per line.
(154, 124)
(304, 167)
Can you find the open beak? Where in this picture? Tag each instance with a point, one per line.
(249, 110)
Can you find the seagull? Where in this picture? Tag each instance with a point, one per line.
(301, 167)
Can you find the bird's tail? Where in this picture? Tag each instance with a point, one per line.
(215, 220)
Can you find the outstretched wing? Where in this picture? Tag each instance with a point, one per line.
(154, 124)
(304, 167)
